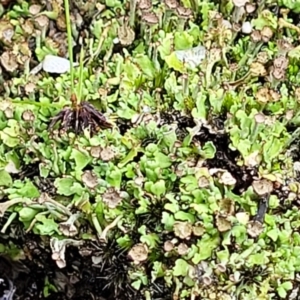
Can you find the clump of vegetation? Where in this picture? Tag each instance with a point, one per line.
(82, 115)
(191, 188)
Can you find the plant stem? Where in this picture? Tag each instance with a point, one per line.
(132, 12)
(40, 104)
(96, 224)
(9, 221)
(79, 93)
(70, 42)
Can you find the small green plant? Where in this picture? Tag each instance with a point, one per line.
(81, 115)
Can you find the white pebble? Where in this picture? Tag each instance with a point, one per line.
(247, 28)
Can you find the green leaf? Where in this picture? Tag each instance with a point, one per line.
(244, 147)
(46, 226)
(97, 28)
(273, 234)
(258, 259)
(172, 207)
(174, 63)
(184, 216)
(183, 41)
(150, 239)
(29, 190)
(151, 175)
(64, 186)
(208, 151)
(169, 140)
(216, 99)
(77, 188)
(273, 201)
(200, 208)
(82, 159)
(129, 157)
(114, 177)
(265, 18)
(295, 53)
(200, 111)
(13, 162)
(158, 188)
(294, 5)
(287, 285)
(146, 65)
(5, 178)
(206, 245)
(44, 171)
(157, 271)
(194, 31)
(223, 255)
(124, 242)
(10, 134)
(283, 288)
(168, 220)
(26, 214)
(162, 160)
(166, 45)
(271, 149)
(136, 284)
(181, 268)
(282, 292)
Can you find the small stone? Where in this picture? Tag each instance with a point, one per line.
(55, 64)
(246, 28)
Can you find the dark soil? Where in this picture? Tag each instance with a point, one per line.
(81, 279)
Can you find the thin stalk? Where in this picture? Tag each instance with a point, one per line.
(132, 12)
(251, 52)
(70, 42)
(9, 221)
(79, 92)
(40, 104)
(97, 224)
